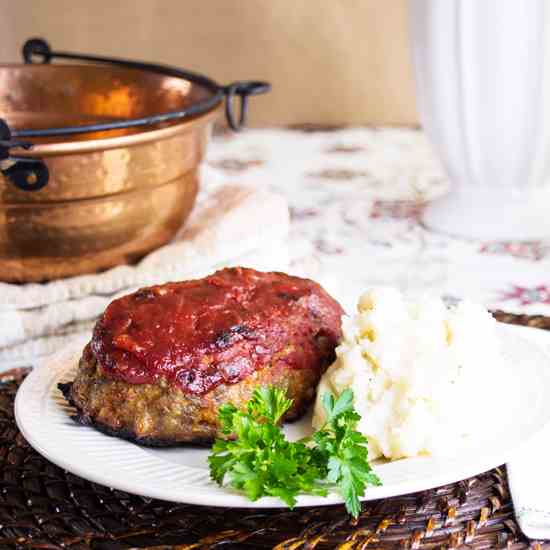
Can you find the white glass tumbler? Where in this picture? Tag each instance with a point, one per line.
(480, 81)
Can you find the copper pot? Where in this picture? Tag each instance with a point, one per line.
(112, 195)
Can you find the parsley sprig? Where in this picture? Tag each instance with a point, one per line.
(260, 461)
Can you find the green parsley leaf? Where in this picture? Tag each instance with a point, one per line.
(345, 450)
(270, 403)
(225, 415)
(343, 404)
(260, 461)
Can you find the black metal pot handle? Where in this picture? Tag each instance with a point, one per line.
(31, 174)
(38, 50)
(243, 90)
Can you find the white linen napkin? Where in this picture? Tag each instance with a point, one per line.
(529, 479)
(529, 470)
(234, 225)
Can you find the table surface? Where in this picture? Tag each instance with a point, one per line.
(356, 197)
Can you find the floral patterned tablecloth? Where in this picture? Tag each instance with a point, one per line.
(356, 197)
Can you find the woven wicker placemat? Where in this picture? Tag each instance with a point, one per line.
(42, 506)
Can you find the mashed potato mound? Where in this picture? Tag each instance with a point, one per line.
(417, 370)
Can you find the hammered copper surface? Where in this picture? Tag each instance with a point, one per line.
(112, 196)
(52, 240)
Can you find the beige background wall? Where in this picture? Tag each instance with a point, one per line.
(330, 61)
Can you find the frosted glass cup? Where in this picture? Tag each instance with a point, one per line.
(480, 81)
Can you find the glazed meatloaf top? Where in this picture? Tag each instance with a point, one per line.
(217, 330)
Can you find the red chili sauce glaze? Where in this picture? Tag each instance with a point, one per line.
(217, 330)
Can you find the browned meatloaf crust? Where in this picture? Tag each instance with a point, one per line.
(163, 359)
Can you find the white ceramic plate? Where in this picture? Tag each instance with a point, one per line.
(181, 474)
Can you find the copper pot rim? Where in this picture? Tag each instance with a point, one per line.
(104, 144)
(147, 135)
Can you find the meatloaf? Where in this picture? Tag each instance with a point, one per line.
(162, 360)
